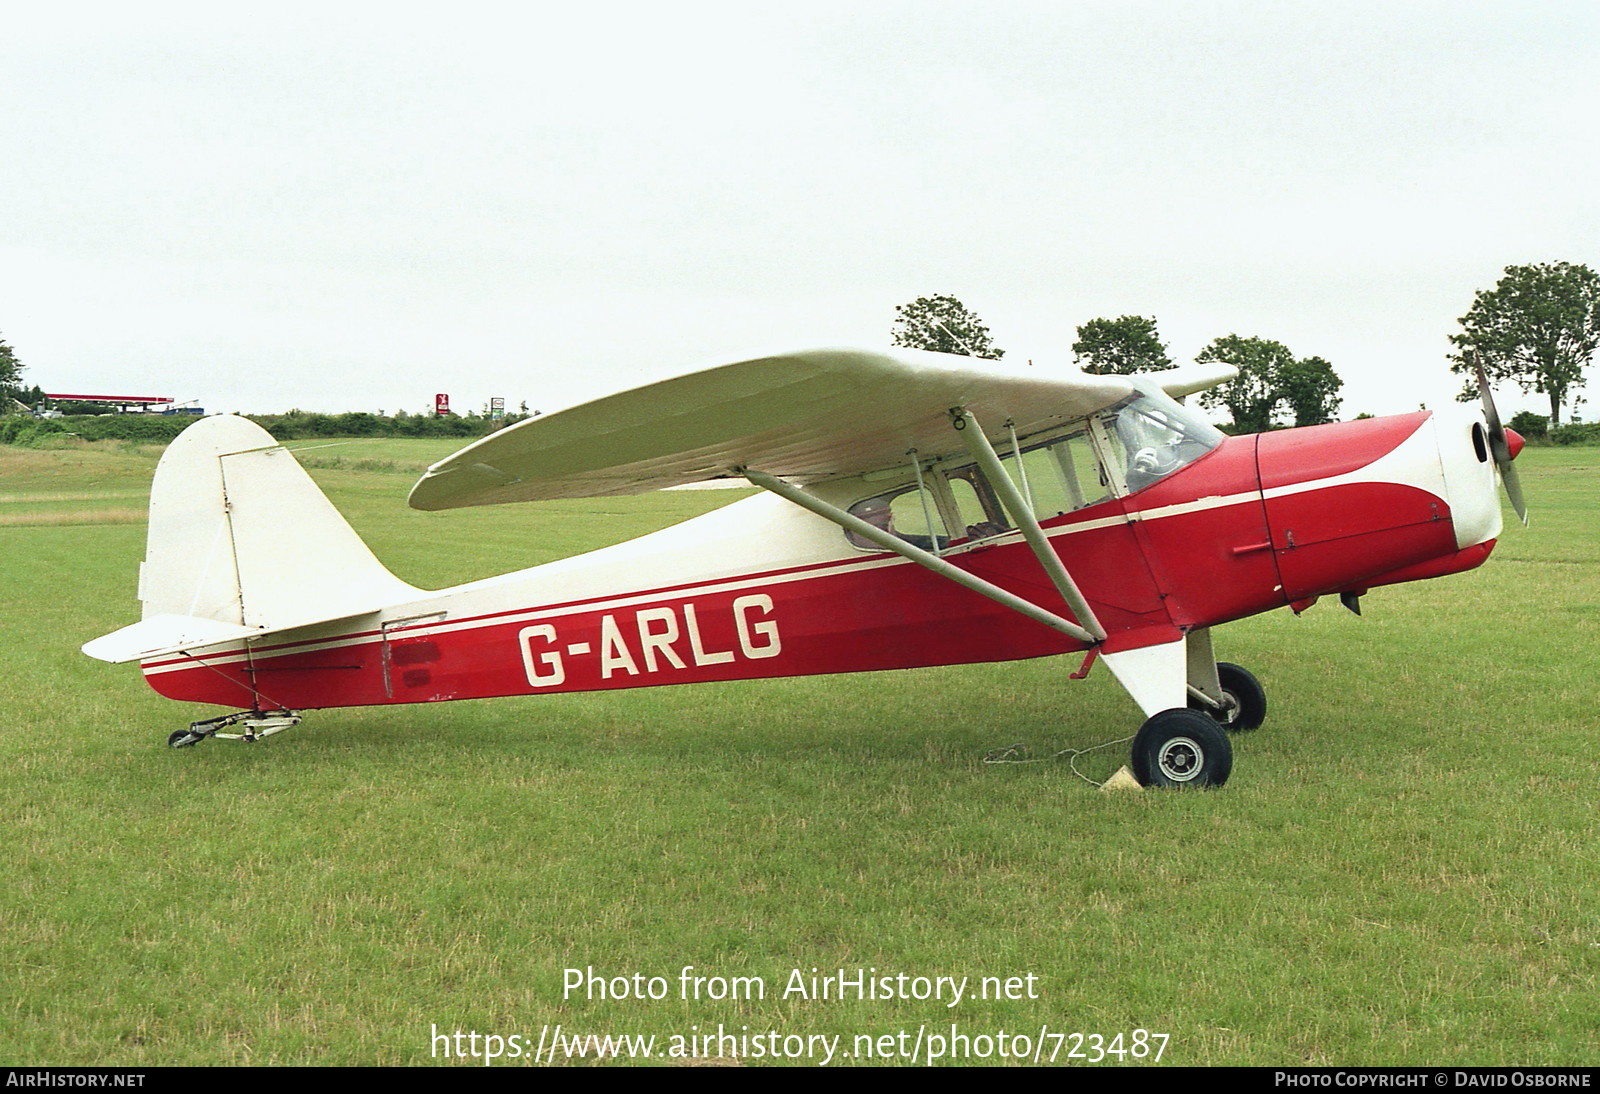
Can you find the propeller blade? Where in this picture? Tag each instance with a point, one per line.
(1499, 447)
(1513, 485)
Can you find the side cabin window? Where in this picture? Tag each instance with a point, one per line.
(958, 505)
(1118, 451)
(1059, 475)
(906, 512)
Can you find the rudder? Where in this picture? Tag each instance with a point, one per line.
(241, 541)
(274, 552)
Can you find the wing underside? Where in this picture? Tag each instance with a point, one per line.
(805, 415)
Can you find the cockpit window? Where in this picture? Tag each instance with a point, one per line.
(1057, 475)
(1124, 448)
(979, 511)
(1154, 435)
(908, 513)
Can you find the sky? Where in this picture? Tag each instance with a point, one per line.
(353, 206)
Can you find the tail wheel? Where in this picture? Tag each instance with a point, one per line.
(1244, 700)
(1182, 748)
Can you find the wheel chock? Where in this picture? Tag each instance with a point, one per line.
(1122, 780)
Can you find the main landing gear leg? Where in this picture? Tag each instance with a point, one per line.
(1221, 689)
(1244, 700)
(257, 724)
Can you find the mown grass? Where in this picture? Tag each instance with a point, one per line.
(401, 455)
(1402, 870)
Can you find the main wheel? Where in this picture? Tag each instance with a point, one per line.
(1244, 700)
(1181, 748)
(183, 738)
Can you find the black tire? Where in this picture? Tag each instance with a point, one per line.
(183, 738)
(1182, 748)
(1244, 699)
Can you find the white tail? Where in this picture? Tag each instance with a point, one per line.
(242, 542)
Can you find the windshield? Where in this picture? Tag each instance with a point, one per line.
(1155, 435)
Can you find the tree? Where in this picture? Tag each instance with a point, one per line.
(10, 374)
(943, 324)
(1311, 388)
(1125, 345)
(1529, 424)
(1270, 377)
(1254, 394)
(1538, 327)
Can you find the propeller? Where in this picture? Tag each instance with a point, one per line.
(1499, 446)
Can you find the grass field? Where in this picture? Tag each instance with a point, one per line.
(1403, 869)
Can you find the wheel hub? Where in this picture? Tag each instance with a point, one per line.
(1180, 759)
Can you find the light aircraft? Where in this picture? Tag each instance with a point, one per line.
(915, 509)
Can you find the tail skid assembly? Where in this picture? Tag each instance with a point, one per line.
(257, 724)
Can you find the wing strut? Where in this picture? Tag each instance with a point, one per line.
(1022, 515)
(891, 542)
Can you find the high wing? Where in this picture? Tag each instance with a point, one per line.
(804, 415)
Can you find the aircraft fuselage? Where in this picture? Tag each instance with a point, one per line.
(761, 588)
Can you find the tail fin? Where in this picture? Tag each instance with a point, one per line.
(242, 542)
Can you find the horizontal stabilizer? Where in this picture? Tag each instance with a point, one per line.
(163, 635)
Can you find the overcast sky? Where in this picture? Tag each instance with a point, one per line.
(353, 206)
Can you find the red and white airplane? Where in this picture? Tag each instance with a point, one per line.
(915, 509)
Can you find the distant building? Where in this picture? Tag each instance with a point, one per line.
(128, 404)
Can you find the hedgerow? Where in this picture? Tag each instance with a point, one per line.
(295, 425)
